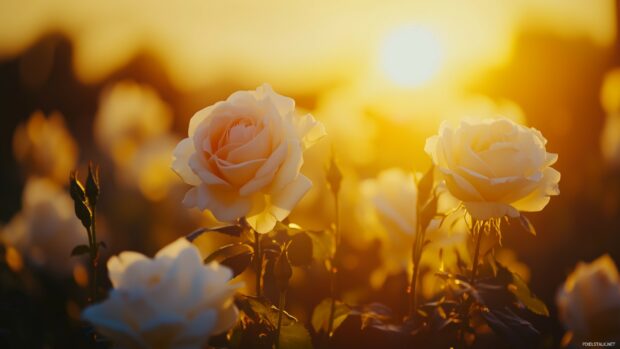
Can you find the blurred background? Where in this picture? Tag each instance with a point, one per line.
(116, 82)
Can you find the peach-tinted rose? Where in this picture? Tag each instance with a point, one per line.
(496, 167)
(243, 157)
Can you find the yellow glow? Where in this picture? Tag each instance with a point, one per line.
(411, 55)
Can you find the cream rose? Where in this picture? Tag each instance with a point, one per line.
(243, 157)
(386, 212)
(170, 301)
(589, 301)
(46, 229)
(496, 167)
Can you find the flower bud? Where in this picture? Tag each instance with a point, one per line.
(76, 188)
(83, 213)
(334, 176)
(92, 184)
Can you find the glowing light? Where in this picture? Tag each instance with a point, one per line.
(411, 55)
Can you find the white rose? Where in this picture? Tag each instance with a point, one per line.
(387, 212)
(243, 157)
(589, 301)
(496, 167)
(46, 229)
(170, 301)
(130, 115)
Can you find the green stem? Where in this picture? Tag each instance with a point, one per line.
(334, 267)
(416, 257)
(94, 258)
(259, 263)
(281, 305)
(474, 268)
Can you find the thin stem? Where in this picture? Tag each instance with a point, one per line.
(259, 263)
(281, 305)
(474, 268)
(334, 266)
(416, 257)
(96, 259)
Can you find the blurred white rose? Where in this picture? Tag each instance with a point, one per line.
(589, 301)
(610, 140)
(387, 212)
(610, 136)
(46, 229)
(496, 167)
(129, 115)
(610, 92)
(133, 127)
(243, 157)
(45, 147)
(170, 301)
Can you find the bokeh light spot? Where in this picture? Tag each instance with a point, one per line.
(411, 55)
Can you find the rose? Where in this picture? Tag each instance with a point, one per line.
(386, 212)
(44, 146)
(589, 301)
(495, 167)
(170, 301)
(46, 229)
(243, 157)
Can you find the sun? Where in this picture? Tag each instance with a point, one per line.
(411, 55)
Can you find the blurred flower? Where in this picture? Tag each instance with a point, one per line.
(610, 137)
(45, 147)
(243, 156)
(589, 301)
(610, 140)
(150, 168)
(495, 166)
(352, 131)
(133, 127)
(46, 229)
(610, 91)
(387, 212)
(129, 115)
(170, 301)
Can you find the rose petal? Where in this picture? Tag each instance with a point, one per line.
(459, 186)
(289, 169)
(262, 222)
(308, 129)
(540, 197)
(267, 172)
(283, 104)
(239, 174)
(201, 168)
(117, 265)
(226, 205)
(199, 118)
(180, 161)
(257, 148)
(107, 317)
(284, 201)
